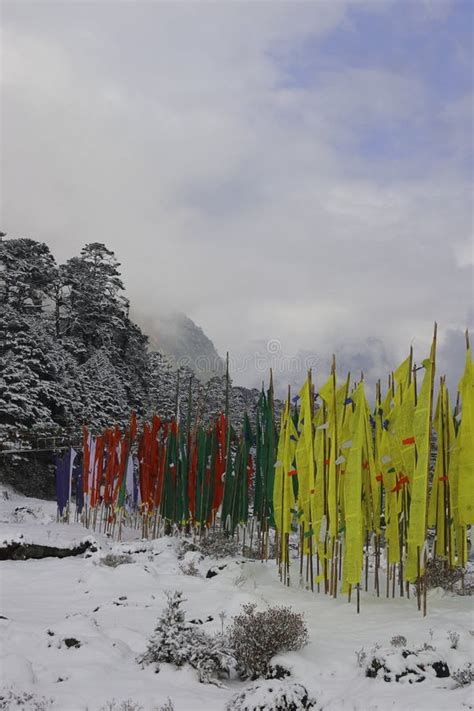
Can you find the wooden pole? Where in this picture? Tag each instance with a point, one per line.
(430, 439)
(377, 563)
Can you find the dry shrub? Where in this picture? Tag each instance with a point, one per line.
(113, 560)
(217, 544)
(10, 699)
(439, 575)
(257, 636)
(463, 676)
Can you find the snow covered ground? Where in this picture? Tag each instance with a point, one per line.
(112, 612)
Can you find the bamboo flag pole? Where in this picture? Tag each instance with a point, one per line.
(337, 561)
(270, 462)
(188, 449)
(378, 402)
(325, 498)
(312, 483)
(333, 583)
(283, 535)
(418, 589)
(267, 462)
(301, 544)
(430, 439)
(227, 432)
(446, 484)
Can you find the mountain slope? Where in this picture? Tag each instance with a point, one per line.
(184, 342)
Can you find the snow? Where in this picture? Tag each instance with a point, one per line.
(112, 613)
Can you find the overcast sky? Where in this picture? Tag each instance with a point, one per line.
(299, 172)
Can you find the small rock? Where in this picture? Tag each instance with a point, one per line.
(72, 642)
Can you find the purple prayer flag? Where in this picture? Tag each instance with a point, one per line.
(62, 481)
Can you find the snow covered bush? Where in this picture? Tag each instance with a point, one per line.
(212, 658)
(398, 641)
(167, 706)
(463, 676)
(277, 671)
(23, 700)
(127, 705)
(439, 575)
(177, 642)
(453, 639)
(113, 560)
(185, 547)
(272, 695)
(257, 636)
(130, 705)
(400, 663)
(190, 568)
(217, 544)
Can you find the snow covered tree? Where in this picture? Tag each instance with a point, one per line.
(94, 307)
(28, 387)
(176, 642)
(27, 275)
(70, 355)
(172, 639)
(162, 383)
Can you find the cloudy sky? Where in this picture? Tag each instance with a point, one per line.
(293, 172)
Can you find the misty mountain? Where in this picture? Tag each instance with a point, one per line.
(184, 342)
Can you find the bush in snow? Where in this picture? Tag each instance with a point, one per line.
(190, 568)
(398, 641)
(453, 639)
(439, 575)
(257, 636)
(177, 642)
(10, 700)
(130, 705)
(217, 544)
(402, 663)
(212, 658)
(277, 671)
(113, 560)
(272, 696)
(463, 676)
(167, 706)
(127, 705)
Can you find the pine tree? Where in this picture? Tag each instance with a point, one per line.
(29, 392)
(94, 307)
(173, 639)
(176, 642)
(27, 275)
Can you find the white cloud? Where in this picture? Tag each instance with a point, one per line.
(166, 131)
